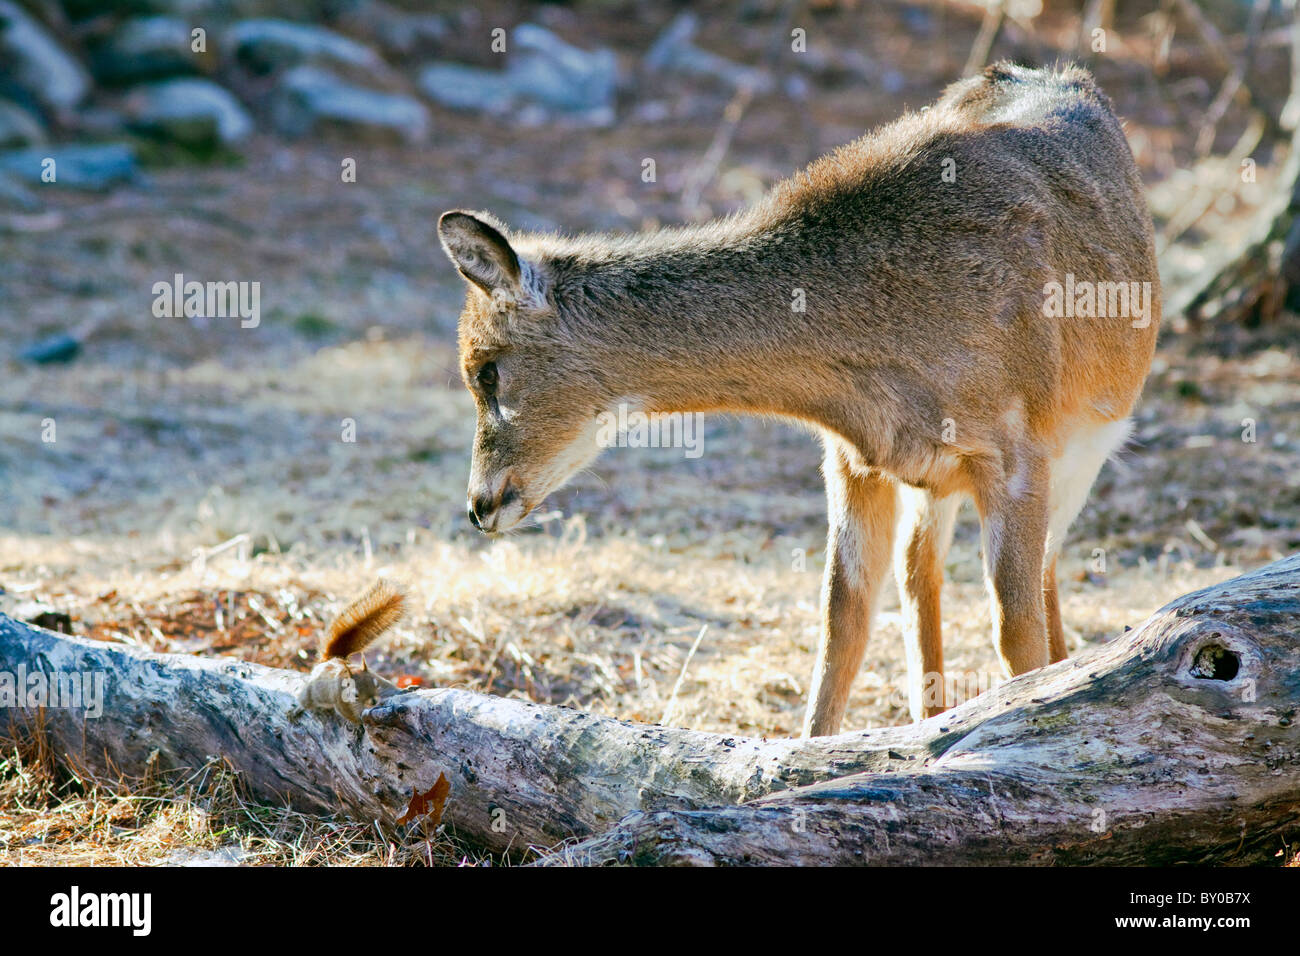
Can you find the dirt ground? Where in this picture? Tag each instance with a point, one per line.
(175, 438)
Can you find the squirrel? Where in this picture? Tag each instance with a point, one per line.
(333, 684)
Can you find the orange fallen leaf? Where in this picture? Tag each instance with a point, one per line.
(430, 802)
(409, 680)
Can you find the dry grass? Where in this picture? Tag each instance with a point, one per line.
(50, 816)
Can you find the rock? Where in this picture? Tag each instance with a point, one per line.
(671, 41)
(545, 78)
(33, 63)
(57, 348)
(145, 48)
(309, 98)
(674, 51)
(266, 45)
(87, 9)
(193, 112)
(18, 127)
(223, 856)
(468, 88)
(14, 195)
(399, 32)
(99, 123)
(88, 166)
(550, 72)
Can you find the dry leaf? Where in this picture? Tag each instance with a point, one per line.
(430, 802)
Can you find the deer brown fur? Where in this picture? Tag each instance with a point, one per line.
(946, 348)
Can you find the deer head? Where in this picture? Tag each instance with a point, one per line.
(537, 392)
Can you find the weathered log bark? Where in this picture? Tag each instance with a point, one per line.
(522, 774)
(1174, 742)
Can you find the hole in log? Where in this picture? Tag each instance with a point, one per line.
(1215, 662)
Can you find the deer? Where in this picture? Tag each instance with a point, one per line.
(980, 304)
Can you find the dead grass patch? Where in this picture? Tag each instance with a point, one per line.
(52, 816)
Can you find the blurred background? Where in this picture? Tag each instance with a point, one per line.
(187, 483)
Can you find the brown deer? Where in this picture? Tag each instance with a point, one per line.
(980, 305)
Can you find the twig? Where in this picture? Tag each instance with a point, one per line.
(1213, 41)
(1098, 13)
(1209, 33)
(1197, 532)
(672, 697)
(707, 168)
(1163, 34)
(1205, 196)
(1253, 280)
(1232, 83)
(994, 14)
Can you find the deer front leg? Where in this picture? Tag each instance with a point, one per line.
(1013, 518)
(861, 508)
(1052, 605)
(925, 527)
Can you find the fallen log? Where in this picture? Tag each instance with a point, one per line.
(522, 774)
(1175, 742)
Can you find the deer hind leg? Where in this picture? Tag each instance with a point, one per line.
(925, 527)
(1013, 528)
(1072, 477)
(861, 507)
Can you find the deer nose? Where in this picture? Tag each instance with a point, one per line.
(480, 507)
(483, 507)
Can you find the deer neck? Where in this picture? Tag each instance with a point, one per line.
(701, 323)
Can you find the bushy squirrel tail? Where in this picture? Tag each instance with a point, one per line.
(362, 621)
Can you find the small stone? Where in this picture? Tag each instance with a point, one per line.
(401, 32)
(552, 73)
(675, 51)
(145, 48)
(545, 79)
(17, 196)
(469, 88)
(266, 45)
(223, 856)
(56, 348)
(94, 166)
(18, 127)
(309, 98)
(195, 112)
(32, 62)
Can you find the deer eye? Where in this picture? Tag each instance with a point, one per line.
(487, 377)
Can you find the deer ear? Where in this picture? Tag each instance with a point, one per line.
(479, 250)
